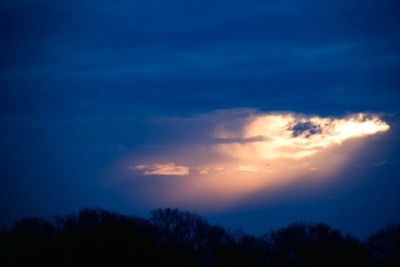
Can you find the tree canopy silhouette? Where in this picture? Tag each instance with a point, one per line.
(171, 237)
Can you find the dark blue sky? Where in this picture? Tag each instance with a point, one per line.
(83, 84)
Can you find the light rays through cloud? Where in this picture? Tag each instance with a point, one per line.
(246, 152)
(295, 136)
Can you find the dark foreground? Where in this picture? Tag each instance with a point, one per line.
(171, 237)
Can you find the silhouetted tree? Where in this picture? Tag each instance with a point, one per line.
(188, 234)
(303, 244)
(100, 236)
(31, 240)
(177, 238)
(385, 246)
(249, 251)
(3, 244)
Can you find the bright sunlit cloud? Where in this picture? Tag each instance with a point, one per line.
(247, 152)
(294, 136)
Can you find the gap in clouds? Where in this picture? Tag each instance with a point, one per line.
(240, 153)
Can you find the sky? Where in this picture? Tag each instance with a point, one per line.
(254, 114)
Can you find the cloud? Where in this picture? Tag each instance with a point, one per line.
(233, 154)
(169, 168)
(211, 169)
(240, 140)
(294, 136)
(305, 129)
(385, 162)
(250, 168)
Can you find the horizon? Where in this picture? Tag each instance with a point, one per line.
(252, 114)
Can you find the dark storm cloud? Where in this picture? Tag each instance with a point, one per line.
(213, 55)
(305, 129)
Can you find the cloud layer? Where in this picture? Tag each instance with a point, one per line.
(248, 152)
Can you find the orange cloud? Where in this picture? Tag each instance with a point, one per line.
(258, 153)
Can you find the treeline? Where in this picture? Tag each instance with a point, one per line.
(171, 237)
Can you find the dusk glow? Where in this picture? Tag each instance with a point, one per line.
(294, 136)
(266, 152)
(254, 114)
